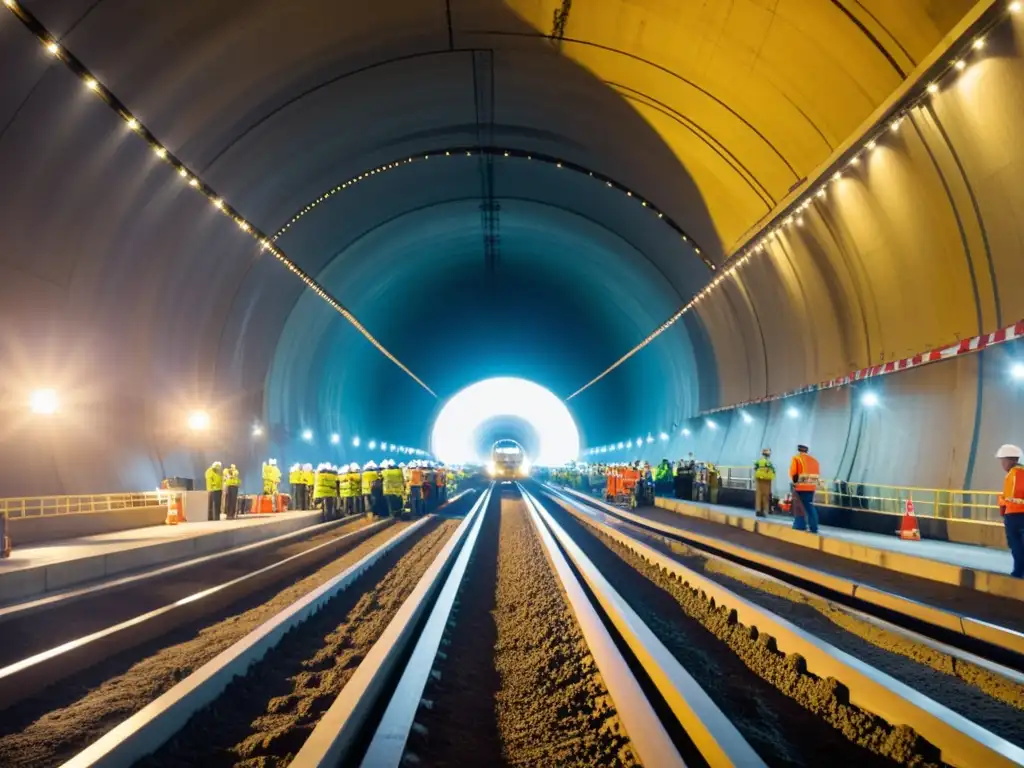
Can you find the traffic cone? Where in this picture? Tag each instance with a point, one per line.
(175, 514)
(908, 525)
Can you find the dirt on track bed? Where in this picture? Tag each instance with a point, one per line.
(73, 714)
(791, 717)
(264, 718)
(519, 686)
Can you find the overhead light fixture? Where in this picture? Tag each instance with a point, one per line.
(747, 418)
(792, 412)
(711, 424)
(335, 438)
(933, 88)
(372, 445)
(869, 398)
(686, 432)
(52, 48)
(1017, 371)
(355, 442)
(257, 430)
(960, 65)
(91, 83)
(199, 421)
(307, 435)
(44, 402)
(895, 125)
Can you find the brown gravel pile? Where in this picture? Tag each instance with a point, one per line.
(263, 719)
(990, 700)
(552, 706)
(75, 713)
(788, 715)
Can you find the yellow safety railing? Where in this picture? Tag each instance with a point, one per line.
(947, 503)
(51, 506)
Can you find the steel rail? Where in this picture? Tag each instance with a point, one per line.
(147, 730)
(961, 742)
(332, 739)
(645, 729)
(1002, 638)
(712, 733)
(27, 677)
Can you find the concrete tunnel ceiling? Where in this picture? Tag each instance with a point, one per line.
(711, 112)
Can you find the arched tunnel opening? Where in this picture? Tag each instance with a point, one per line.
(298, 269)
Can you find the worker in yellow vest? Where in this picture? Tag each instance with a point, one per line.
(1011, 505)
(764, 476)
(214, 490)
(393, 486)
(346, 491)
(369, 480)
(324, 490)
(804, 472)
(231, 483)
(297, 487)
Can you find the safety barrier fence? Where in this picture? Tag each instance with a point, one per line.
(946, 503)
(52, 506)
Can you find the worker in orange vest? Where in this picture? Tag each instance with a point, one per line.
(803, 471)
(1011, 505)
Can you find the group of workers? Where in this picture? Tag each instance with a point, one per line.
(638, 482)
(389, 488)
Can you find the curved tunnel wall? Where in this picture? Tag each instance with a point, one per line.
(916, 247)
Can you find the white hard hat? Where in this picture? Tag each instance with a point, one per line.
(217, 464)
(307, 467)
(401, 465)
(1009, 451)
(353, 467)
(295, 467)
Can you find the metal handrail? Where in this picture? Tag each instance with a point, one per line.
(946, 503)
(52, 506)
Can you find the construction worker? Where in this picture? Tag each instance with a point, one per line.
(355, 483)
(764, 476)
(663, 478)
(803, 472)
(686, 474)
(325, 486)
(1011, 505)
(214, 490)
(346, 492)
(308, 477)
(231, 483)
(415, 488)
(429, 494)
(442, 483)
(369, 478)
(394, 486)
(271, 480)
(297, 487)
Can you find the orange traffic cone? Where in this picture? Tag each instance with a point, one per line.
(175, 513)
(908, 525)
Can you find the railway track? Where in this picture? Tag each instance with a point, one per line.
(538, 631)
(940, 691)
(120, 645)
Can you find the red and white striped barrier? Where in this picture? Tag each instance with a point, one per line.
(963, 347)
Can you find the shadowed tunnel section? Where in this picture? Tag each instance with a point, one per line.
(127, 291)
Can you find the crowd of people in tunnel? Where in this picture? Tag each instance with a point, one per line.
(389, 488)
(636, 483)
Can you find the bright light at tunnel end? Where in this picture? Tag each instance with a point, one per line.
(451, 439)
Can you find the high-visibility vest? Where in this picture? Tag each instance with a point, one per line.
(231, 477)
(805, 468)
(663, 472)
(351, 485)
(442, 478)
(295, 477)
(214, 480)
(369, 478)
(764, 469)
(1011, 500)
(325, 485)
(416, 477)
(394, 483)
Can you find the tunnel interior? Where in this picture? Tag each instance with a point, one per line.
(484, 194)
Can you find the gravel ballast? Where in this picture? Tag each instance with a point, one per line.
(788, 715)
(71, 715)
(519, 686)
(263, 718)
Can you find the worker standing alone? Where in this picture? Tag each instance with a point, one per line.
(803, 471)
(231, 483)
(764, 476)
(1011, 505)
(215, 490)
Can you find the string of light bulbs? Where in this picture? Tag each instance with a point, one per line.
(500, 152)
(93, 84)
(792, 215)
